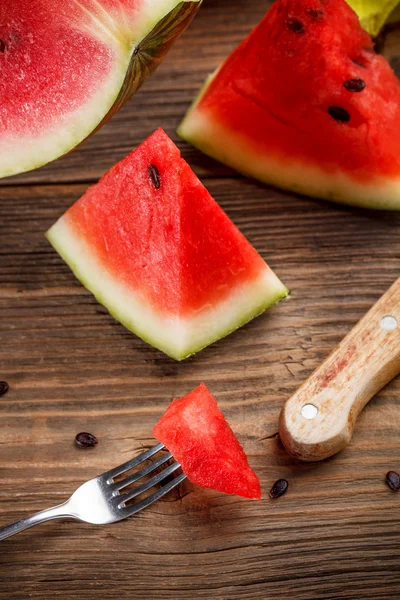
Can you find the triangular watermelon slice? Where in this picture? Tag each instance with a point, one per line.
(154, 247)
(306, 104)
(196, 433)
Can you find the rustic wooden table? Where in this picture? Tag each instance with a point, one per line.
(71, 367)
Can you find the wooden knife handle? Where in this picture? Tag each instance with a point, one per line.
(319, 419)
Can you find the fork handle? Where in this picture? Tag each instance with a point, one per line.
(41, 517)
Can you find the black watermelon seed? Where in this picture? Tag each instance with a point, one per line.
(393, 481)
(358, 63)
(279, 488)
(154, 175)
(295, 25)
(86, 440)
(3, 388)
(2, 46)
(339, 114)
(315, 13)
(355, 85)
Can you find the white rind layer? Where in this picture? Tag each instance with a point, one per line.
(19, 153)
(178, 337)
(234, 149)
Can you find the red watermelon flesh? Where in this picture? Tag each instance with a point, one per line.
(154, 247)
(68, 64)
(29, 30)
(196, 433)
(305, 103)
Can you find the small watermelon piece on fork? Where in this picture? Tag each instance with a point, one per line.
(196, 433)
(205, 445)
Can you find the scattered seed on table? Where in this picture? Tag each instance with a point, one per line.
(86, 440)
(3, 388)
(279, 488)
(393, 481)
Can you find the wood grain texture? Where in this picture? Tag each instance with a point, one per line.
(71, 367)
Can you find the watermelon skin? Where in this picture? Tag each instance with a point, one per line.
(68, 66)
(167, 263)
(196, 433)
(373, 14)
(265, 111)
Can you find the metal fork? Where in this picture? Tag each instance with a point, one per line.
(102, 500)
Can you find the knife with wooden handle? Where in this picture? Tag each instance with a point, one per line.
(319, 419)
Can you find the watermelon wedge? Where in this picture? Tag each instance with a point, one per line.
(306, 104)
(154, 247)
(68, 65)
(196, 433)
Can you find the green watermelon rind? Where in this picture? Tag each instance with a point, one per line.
(148, 52)
(268, 290)
(134, 63)
(373, 14)
(211, 138)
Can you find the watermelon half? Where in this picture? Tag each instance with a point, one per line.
(155, 249)
(196, 433)
(68, 65)
(306, 104)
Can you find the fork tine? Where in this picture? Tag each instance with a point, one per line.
(147, 484)
(132, 510)
(130, 464)
(143, 472)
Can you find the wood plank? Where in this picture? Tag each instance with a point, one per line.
(71, 367)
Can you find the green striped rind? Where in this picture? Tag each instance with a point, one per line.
(149, 52)
(177, 337)
(373, 14)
